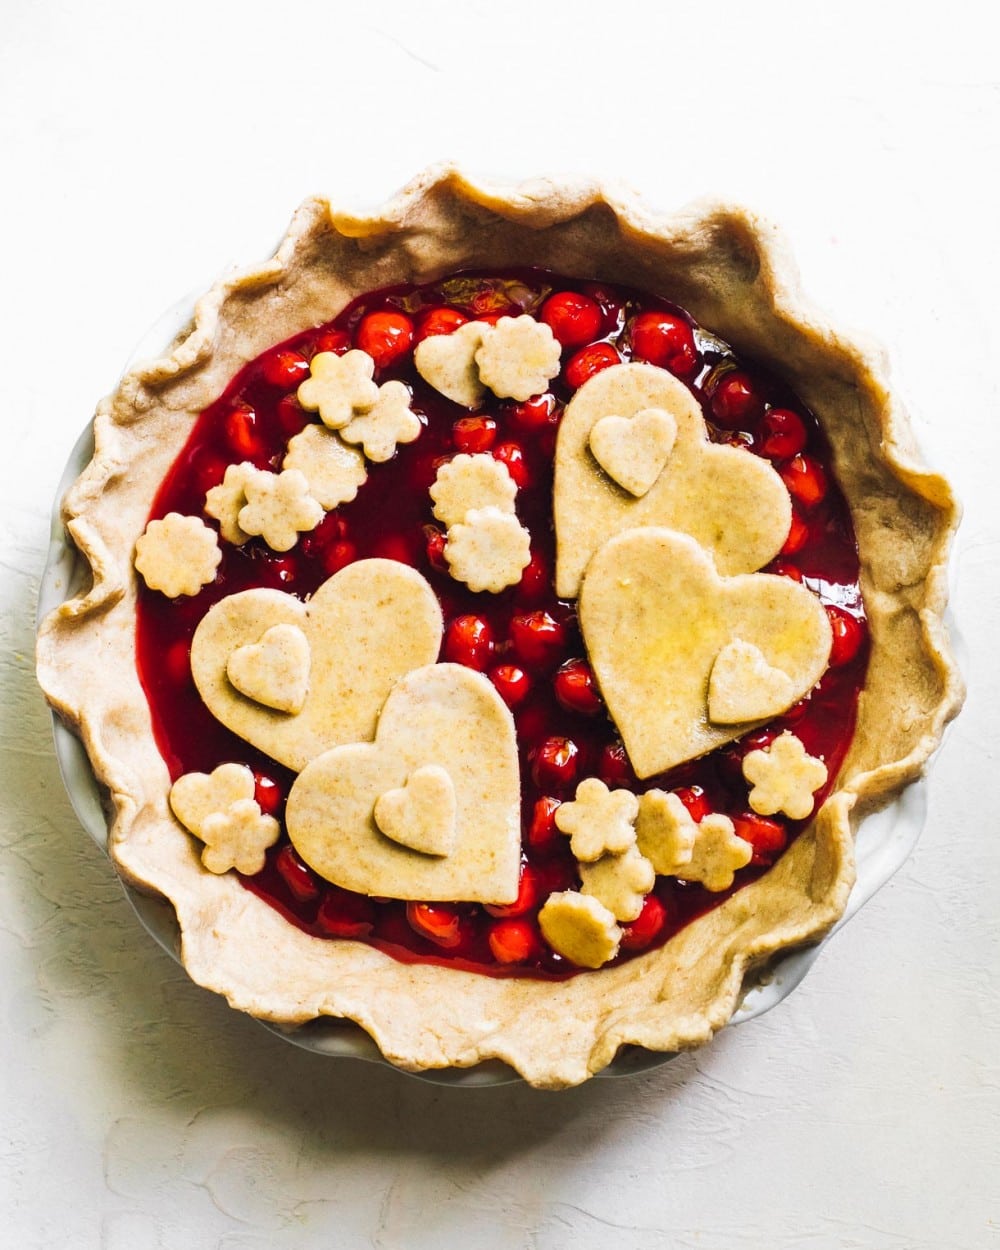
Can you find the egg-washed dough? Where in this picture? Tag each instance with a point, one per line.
(444, 715)
(732, 503)
(655, 614)
(366, 626)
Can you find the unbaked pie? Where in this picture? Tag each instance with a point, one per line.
(503, 609)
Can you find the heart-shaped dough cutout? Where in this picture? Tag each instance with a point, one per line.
(743, 686)
(655, 614)
(366, 627)
(732, 502)
(421, 813)
(443, 712)
(634, 450)
(274, 671)
(448, 363)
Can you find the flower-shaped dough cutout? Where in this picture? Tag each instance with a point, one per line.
(421, 813)
(733, 504)
(665, 832)
(279, 508)
(391, 420)
(620, 882)
(489, 550)
(580, 928)
(223, 502)
(196, 796)
(333, 470)
(598, 821)
(339, 388)
(177, 555)
(448, 363)
(717, 854)
(471, 481)
(518, 357)
(744, 687)
(275, 670)
(237, 838)
(784, 777)
(634, 450)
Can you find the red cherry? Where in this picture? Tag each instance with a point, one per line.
(336, 341)
(512, 455)
(438, 922)
(385, 336)
(767, 837)
(177, 662)
(515, 942)
(538, 638)
(345, 914)
(535, 580)
(805, 480)
(329, 530)
(576, 689)
(301, 882)
(242, 435)
(468, 640)
(573, 319)
(784, 568)
(848, 635)
(280, 571)
(637, 935)
(268, 793)
(435, 540)
(554, 763)
(338, 556)
(513, 684)
(474, 434)
(693, 798)
(398, 547)
(614, 768)
(292, 418)
(529, 891)
(782, 433)
(798, 535)
(589, 361)
(543, 833)
(535, 414)
(438, 321)
(666, 340)
(208, 469)
(760, 740)
(736, 401)
(285, 368)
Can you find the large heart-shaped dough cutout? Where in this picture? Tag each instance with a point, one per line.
(366, 627)
(732, 502)
(655, 614)
(444, 715)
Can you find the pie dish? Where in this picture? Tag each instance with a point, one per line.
(503, 610)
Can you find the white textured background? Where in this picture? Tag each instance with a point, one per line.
(143, 148)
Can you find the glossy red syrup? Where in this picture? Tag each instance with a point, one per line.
(525, 639)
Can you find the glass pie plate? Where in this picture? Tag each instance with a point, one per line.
(885, 839)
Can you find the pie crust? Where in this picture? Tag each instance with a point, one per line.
(732, 271)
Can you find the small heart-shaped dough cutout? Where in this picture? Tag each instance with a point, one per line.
(442, 712)
(655, 614)
(743, 686)
(633, 450)
(421, 813)
(275, 670)
(366, 627)
(448, 363)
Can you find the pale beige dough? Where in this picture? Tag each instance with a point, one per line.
(444, 715)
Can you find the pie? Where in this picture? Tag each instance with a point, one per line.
(503, 610)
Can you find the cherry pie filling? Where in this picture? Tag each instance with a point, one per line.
(524, 639)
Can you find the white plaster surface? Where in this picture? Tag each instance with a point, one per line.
(145, 147)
